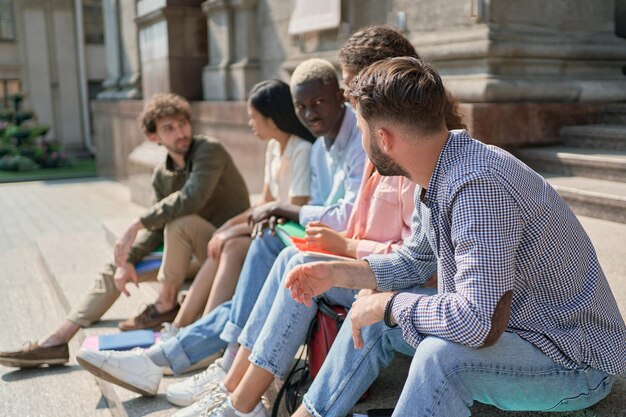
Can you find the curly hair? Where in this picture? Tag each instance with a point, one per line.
(160, 106)
(375, 43)
(372, 44)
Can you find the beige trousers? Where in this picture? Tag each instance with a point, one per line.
(185, 249)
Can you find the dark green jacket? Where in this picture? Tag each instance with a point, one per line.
(210, 186)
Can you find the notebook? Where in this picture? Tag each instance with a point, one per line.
(287, 230)
(126, 340)
(147, 265)
(305, 249)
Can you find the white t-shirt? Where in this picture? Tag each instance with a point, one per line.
(288, 175)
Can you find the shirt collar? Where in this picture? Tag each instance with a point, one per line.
(449, 153)
(169, 164)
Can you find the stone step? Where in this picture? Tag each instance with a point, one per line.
(615, 113)
(592, 197)
(600, 136)
(582, 162)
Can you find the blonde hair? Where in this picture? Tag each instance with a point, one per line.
(315, 69)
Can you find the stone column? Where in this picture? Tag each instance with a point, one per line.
(245, 68)
(233, 59)
(130, 79)
(172, 44)
(521, 63)
(110, 13)
(525, 50)
(216, 75)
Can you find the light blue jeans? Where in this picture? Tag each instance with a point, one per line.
(445, 377)
(222, 325)
(278, 325)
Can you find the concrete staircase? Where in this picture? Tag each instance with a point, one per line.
(588, 167)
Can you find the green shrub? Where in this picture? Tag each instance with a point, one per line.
(18, 163)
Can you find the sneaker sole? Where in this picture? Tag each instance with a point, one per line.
(100, 373)
(32, 363)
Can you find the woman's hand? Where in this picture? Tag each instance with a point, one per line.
(319, 236)
(214, 248)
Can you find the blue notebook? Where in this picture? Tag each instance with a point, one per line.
(147, 265)
(126, 340)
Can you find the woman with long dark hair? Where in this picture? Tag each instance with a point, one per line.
(287, 180)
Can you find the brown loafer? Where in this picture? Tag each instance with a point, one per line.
(150, 318)
(32, 355)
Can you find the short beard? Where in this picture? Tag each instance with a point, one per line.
(384, 165)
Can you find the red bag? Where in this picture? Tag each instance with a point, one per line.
(322, 334)
(327, 324)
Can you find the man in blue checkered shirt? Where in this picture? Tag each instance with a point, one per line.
(523, 318)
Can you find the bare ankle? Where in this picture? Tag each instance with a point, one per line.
(164, 306)
(51, 340)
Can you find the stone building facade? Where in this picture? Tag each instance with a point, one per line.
(521, 68)
(54, 52)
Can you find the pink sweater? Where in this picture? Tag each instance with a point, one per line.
(381, 216)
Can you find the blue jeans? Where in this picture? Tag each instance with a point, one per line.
(222, 325)
(446, 377)
(278, 325)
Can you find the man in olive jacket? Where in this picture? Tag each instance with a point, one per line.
(197, 189)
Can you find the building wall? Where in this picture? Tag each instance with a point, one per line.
(521, 68)
(44, 58)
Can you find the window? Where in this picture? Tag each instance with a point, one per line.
(92, 19)
(7, 21)
(7, 88)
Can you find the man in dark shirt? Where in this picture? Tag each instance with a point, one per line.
(197, 189)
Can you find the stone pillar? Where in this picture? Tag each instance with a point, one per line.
(130, 79)
(216, 75)
(110, 13)
(521, 63)
(122, 52)
(525, 50)
(233, 58)
(245, 69)
(172, 44)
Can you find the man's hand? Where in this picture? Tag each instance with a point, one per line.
(306, 281)
(123, 245)
(261, 213)
(320, 236)
(365, 311)
(123, 275)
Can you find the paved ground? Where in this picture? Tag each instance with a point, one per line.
(52, 244)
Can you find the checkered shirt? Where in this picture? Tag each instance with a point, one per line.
(495, 225)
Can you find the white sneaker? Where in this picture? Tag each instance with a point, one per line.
(132, 370)
(192, 389)
(214, 396)
(226, 409)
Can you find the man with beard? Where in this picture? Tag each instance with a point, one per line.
(523, 318)
(197, 189)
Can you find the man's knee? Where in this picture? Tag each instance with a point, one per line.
(184, 223)
(434, 352)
